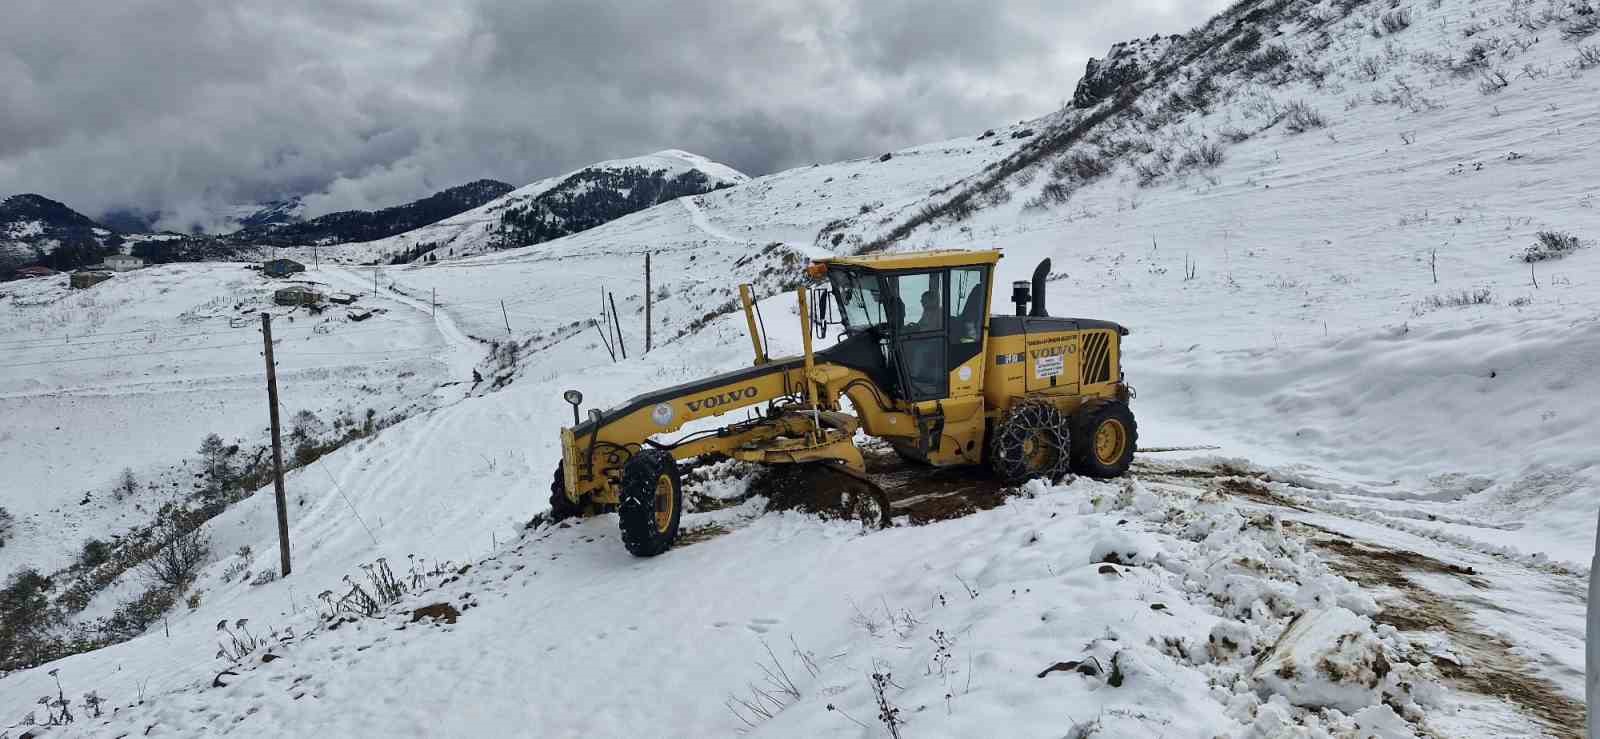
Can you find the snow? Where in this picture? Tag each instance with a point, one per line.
(155, 359)
(25, 229)
(1327, 658)
(1390, 478)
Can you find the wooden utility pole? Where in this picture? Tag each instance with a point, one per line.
(618, 321)
(649, 297)
(277, 449)
(506, 316)
(374, 280)
(433, 304)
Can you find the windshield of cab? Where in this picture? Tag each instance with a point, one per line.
(861, 298)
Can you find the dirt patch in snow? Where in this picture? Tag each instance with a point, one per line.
(821, 489)
(1490, 668)
(436, 611)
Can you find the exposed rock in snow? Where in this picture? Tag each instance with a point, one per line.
(1127, 62)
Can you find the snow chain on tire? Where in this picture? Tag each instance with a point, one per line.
(1031, 441)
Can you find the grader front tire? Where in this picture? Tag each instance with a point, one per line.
(561, 508)
(1032, 441)
(652, 503)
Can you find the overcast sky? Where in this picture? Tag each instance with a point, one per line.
(184, 105)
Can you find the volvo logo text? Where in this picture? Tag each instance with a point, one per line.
(717, 401)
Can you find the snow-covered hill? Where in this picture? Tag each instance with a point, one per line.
(273, 226)
(33, 227)
(1320, 255)
(559, 205)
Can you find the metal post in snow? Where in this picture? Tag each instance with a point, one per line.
(504, 315)
(649, 297)
(621, 345)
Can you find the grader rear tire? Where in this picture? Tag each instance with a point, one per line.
(1033, 440)
(1104, 438)
(652, 503)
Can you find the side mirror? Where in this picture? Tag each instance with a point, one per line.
(575, 399)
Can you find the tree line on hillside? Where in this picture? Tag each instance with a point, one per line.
(594, 197)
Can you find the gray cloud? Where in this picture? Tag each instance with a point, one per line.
(185, 105)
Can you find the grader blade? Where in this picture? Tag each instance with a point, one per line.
(827, 489)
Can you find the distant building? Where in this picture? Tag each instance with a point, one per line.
(297, 295)
(89, 278)
(281, 267)
(123, 263)
(37, 270)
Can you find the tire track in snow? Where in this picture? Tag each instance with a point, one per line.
(462, 353)
(702, 222)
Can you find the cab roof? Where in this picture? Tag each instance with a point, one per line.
(937, 259)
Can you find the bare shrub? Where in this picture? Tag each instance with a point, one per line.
(1234, 135)
(1462, 299)
(1300, 117)
(1205, 155)
(777, 692)
(183, 549)
(1080, 166)
(1395, 21)
(1055, 193)
(1588, 57)
(1581, 26)
(127, 484)
(1475, 58)
(1551, 245)
(1248, 41)
(1201, 94)
(1149, 170)
(7, 523)
(1267, 59)
(1370, 68)
(1492, 82)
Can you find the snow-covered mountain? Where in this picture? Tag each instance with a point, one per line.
(1355, 245)
(36, 229)
(560, 206)
(276, 213)
(280, 225)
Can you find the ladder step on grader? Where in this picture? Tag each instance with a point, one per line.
(920, 364)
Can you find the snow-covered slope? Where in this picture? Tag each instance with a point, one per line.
(1394, 518)
(478, 230)
(136, 371)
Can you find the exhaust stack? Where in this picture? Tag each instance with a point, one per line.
(1039, 274)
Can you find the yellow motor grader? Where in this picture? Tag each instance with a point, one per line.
(924, 366)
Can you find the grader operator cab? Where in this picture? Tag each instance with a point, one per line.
(923, 365)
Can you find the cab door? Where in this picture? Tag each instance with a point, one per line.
(920, 334)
